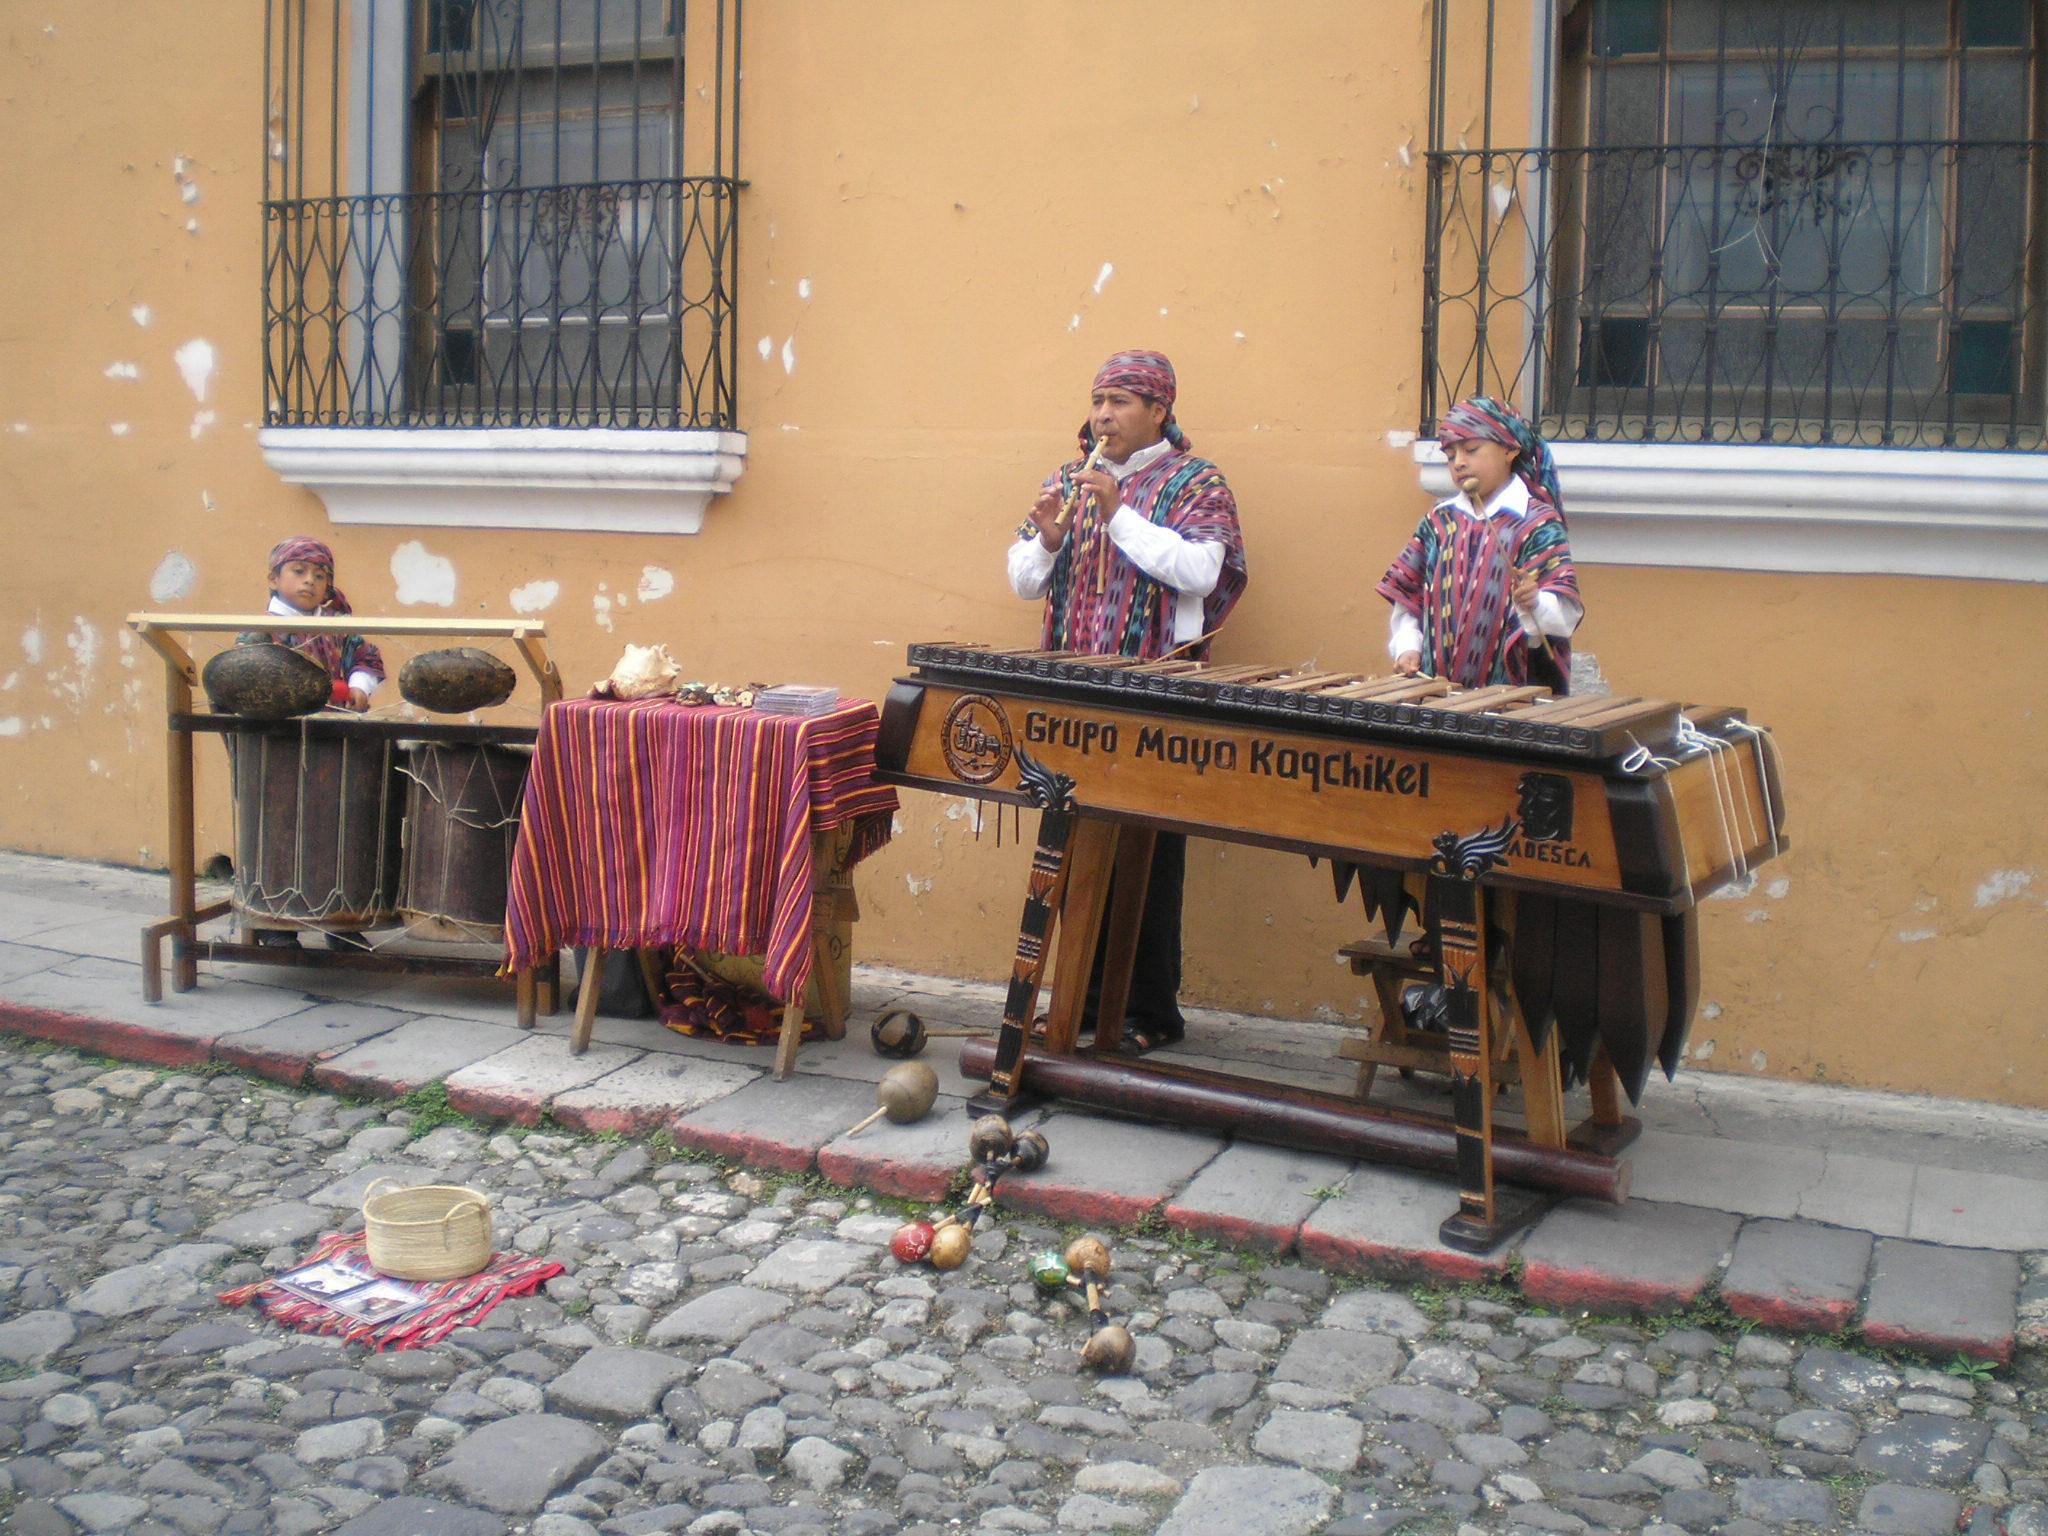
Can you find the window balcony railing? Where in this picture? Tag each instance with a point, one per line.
(599, 304)
(1875, 293)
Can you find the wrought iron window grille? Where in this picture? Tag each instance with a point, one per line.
(527, 217)
(1742, 221)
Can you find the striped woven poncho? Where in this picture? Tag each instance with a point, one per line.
(1456, 575)
(1132, 615)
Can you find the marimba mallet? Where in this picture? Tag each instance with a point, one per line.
(905, 1094)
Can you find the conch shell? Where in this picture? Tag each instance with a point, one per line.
(643, 672)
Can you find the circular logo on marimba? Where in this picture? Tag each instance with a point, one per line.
(977, 739)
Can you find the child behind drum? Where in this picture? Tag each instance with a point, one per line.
(302, 582)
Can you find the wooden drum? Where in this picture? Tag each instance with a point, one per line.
(316, 827)
(461, 819)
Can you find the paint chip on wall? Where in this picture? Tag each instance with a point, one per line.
(139, 313)
(2003, 885)
(1101, 278)
(789, 355)
(122, 371)
(422, 577)
(767, 346)
(195, 362)
(803, 287)
(172, 581)
(655, 584)
(535, 596)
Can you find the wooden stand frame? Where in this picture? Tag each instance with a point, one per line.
(162, 632)
(1069, 893)
(835, 1004)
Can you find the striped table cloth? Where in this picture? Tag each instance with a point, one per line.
(650, 823)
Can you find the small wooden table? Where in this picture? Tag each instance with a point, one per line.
(650, 824)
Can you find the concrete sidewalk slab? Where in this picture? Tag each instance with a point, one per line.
(287, 1050)
(645, 1094)
(109, 989)
(1756, 1178)
(1642, 1257)
(518, 1082)
(1943, 1300)
(1857, 1190)
(416, 1053)
(1111, 1171)
(1256, 1196)
(1797, 1275)
(1974, 1209)
(776, 1125)
(916, 1162)
(1384, 1223)
(97, 1005)
(25, 960)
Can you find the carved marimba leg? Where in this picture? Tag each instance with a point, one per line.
(1079, 913)
(1487, 1215)
(1053, 794)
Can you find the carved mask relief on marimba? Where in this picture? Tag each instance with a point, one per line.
(1546, 807)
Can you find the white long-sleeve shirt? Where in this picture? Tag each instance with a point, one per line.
(358, 678)
(1190, 567)
(1555, 614)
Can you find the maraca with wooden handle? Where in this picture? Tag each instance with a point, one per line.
(1110, 1348)
(905, 1094)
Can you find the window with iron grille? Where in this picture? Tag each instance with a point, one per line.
(527, 217)
(1753, 221)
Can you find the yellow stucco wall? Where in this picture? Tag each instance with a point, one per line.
(980, 202)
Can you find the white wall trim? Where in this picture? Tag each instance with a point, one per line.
(572, 479)
(1873, 511)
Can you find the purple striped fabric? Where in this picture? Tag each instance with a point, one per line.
(651, 823)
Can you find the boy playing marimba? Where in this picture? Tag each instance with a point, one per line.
(1485, 592)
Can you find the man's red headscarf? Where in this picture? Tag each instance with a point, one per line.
(1142, 373)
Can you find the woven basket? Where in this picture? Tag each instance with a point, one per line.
(428, 1231)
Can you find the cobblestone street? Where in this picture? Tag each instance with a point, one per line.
(728, 1353)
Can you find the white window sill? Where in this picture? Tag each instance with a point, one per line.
(1882, 511)
(570, 479)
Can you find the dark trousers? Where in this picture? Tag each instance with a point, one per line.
(1155, 970)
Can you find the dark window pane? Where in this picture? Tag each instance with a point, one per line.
(1994, 23)
(458, 358)
(1982, 357)
(1614, 353)
(1697, 26)
(1628, 26)
(449, 25)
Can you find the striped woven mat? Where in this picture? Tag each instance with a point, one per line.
(451, 1304)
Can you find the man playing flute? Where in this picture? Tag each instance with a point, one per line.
(1135, 549)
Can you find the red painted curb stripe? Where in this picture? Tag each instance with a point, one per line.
(106, 1037)
(1793, 1314)
(743, 1147)
(507, 1104)
(902, 1177)
(1891, 1336)
(1556, 1286)
(1266, 1236)
(1389, 1261)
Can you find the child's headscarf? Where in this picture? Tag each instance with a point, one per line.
(1490, 421)
(313, 552)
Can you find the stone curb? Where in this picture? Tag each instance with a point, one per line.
(1554, 1279)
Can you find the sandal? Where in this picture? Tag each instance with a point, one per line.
(1142, 1039)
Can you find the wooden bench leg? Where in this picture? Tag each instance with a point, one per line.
(586, 1000)
(524, 988)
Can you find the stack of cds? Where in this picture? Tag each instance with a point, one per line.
(797, 699)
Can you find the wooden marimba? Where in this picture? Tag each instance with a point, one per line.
(1562, 845)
